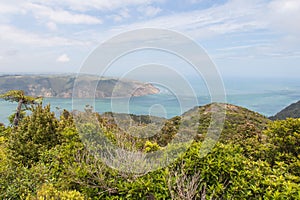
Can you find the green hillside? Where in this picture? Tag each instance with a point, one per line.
(44, 157)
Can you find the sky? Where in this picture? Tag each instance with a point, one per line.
(257, 38)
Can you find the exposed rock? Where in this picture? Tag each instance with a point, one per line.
(291, 111)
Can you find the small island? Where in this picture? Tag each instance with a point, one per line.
(61, 86)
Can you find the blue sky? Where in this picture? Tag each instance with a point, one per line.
(244, 38)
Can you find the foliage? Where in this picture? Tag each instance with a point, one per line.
(284, 140)
(22, 100)
(16, 95)
(149, 146)
(167, 132)
(35, 134)
(3, 152)
(45, 158)
(285, 136)
(48, 192)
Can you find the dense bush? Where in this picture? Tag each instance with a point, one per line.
(44, 158)
(48, 192)
(35, 134)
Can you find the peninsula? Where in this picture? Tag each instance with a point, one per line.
(61, 86)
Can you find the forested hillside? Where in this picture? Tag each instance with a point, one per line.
(44, 158)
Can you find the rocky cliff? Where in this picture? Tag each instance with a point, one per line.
(291, 111)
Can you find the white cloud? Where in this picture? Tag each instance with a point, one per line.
(16, 36)
(64, 58)
(285, 6)
(117, 18)
(61, 16)
(239, 47)
(10, 7)
(284, 15)
(51, 26)
(277, 19)
(280, 18)
(122, 15)
(103, 5)
(149, 11)
(235, 16)
(195, 1)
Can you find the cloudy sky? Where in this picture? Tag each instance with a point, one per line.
(243, 38)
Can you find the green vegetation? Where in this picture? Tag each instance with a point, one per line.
(44, 158)
(22, 100)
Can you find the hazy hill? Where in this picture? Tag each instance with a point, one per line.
(61, 86)
(291, 111)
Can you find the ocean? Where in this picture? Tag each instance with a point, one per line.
(266, 96)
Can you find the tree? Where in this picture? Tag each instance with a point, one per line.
(22, 100)
(35, 134)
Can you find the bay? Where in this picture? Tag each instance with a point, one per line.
(266, 96)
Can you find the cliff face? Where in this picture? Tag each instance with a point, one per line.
(62, 86)
(291, 111)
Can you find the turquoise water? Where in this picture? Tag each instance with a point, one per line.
(266, 96)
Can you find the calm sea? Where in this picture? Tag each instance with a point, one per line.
(266, 96)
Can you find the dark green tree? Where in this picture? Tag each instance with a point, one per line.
(35, 134)
(22, 100)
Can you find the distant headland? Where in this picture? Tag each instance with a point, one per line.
(61, 86)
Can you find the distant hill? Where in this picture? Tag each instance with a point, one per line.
(61, 86)
(291, 111)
